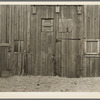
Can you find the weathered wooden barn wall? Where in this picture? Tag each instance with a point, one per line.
(91, 63)
(50, 40)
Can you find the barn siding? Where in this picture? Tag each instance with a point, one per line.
(34, 52)
(92, 31)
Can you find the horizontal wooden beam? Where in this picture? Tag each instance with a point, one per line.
(4, 44)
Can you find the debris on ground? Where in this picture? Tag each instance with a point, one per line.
(49, 84)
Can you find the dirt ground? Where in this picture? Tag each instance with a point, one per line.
(49, 84)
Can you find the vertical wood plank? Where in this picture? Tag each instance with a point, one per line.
(84, 37)
(37, 34)
(19, 63)
(57, 68)
(16, 23)
(29, 63)
(0, 23)
(3, 29)
(28, 28)
(33, 42)
(19, 23)
(88, 67)
(39, 40)
(96, 21)
(49, 56)
(43, 48)
(12, 28)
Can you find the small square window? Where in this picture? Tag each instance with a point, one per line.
(47, 25)
(65, 25)
(92, 46)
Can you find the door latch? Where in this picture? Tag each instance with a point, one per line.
(58, 40)
(9, 49)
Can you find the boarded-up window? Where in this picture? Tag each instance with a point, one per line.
(92, 46)
(65, 25)
(47, 25)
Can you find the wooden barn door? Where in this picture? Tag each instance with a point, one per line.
(68, 44)
(47, 41)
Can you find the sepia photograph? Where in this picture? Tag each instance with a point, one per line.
(49, 48)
